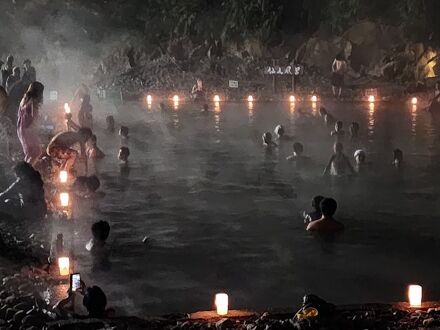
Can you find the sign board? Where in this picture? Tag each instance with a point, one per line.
(53, 95)
(233, 83)
(286, 70)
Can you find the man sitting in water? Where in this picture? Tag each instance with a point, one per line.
(316, 214)
(60, 148)
(339, 133)
(339, 164)
(197, 92)
(327, 223)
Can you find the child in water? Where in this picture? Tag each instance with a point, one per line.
(316, 214)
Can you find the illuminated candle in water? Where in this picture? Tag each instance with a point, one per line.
(221, 302)
(64, 199)
(414, 100)
(371, 98)
(149, 99)
(250, 98)
(415, 295)
(216, 98)
(292, 98)
(176, 98)
(63, 176)
(314, 98)
(64, 265)
(66, 108)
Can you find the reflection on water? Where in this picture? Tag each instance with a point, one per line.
(371, 110)
(225, 216)
(413, 119)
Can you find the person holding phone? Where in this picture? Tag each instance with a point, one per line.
(82, 300)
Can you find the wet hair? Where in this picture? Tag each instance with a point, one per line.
(339, 124)
(101, 230)
(85, 133)
(93, 183)
(398, 154)
(267, 137)
(9, 59)
(328, 207)
(298, 147)
(34, 92)
(322, 111)
(279, 130)
(26, 171)
(124, 152)
(361, 154)
(110, 120)
(316, 202)
(95, 301)
(123, 131)
(16, 70)
(340, 56)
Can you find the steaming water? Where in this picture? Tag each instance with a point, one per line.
(224, 216)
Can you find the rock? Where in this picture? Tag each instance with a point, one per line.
(10, 312)
(224, 324)
(23, 306)
(10, 299)
(18, 316)
(33, 320)
(430, 322)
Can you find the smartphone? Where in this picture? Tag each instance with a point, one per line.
(75, 281)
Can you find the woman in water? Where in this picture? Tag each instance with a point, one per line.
(85, 118)
(27, 122)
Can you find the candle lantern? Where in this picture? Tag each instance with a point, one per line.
(149, 99)
(415, 295)
(371, 99)
(64, 265)
(176, 98)
(63, 176)
(216, 98)
(292, 98)
(221, 303)
(314, 98)
(64, 199)
(414, 100)
(250, 98)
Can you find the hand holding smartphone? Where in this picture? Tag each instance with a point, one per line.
(75, 282)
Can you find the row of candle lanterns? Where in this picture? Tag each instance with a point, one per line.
(250, 98)
(414, 297)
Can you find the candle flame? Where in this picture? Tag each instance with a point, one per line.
(415, 295)
(63, 176)
(371, 99)
(149, 99)
(250, 98)
(314, 98)
(176, 98)
(216, 98)
(292, 98)
(414, 100)
(64, 199)
(66, 108)
(221, 302)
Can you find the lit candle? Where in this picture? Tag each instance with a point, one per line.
(250, 98)
(176, 98)
(64, 265)
(414, 100)
(314, 98)
(66, 108)
(63, 176)
(415, 295)
(64, 199)
(371, 98)
(149, 99)
(216, 98)
(292, 98)
(221, 302)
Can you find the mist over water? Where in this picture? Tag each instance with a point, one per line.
(222, 215)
